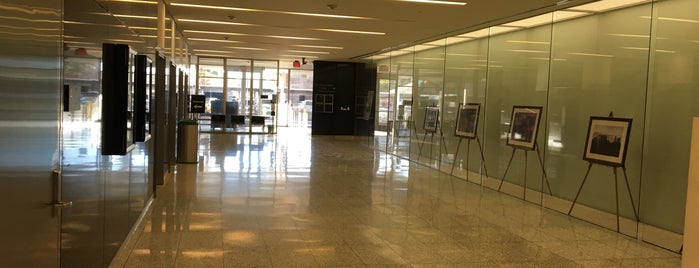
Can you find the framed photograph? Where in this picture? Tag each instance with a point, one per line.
(524, 127)
(467, 120)
(607, 140)
(431, 118)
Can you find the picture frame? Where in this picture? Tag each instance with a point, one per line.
(467, 120)
(607, 140)
(431, 119)
(524, 127)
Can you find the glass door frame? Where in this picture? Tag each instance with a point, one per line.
(269, 125)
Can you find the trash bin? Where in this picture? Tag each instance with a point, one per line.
(187, 141)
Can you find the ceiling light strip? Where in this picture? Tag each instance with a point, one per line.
(311, 46)
(350, 31)
(298, 56)
(435, 2)
(248, 48)
(269, 11)
(239, 34)
(212, 51)
(310, 52)
(217, 22)
(213, 40)
(130, 1)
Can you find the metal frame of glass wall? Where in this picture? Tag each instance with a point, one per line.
(241, 95)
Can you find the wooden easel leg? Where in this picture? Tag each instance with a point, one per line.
(482, 159)
(524, 186)
(431, 142)
(616, 194)
(468, 152)
(630, 196)
(580, 189)
(420, 145)
(417, 138)
(444, 142)
(543, 170)
(507, 168)
(456, 154)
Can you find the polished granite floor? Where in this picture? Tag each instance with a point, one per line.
(293, 200)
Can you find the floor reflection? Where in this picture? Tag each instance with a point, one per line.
(296, 200)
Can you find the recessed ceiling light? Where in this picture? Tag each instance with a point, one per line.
(213, 51)
(217, 22)
(435, 2)
(126, 40)
(311, 46)
(310, 52)
(130, 1)
(299, 56)
(350, 31)
(248, 48)
(239, 34)
(290, 37)
(135, 17)
(213, 40)
(270, 11)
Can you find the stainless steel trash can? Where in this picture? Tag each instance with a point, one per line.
(187, 141)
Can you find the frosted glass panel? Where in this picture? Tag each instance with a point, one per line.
(518, 69)
(429, 86)
(637, 62)
(673, 95)
(599, 66)
(465, 82)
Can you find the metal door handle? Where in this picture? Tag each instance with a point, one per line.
(61, 204)
(57, 203)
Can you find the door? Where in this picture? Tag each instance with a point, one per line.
(333, 98)
(30, 110)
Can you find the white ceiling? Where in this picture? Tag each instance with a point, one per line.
(282, 29)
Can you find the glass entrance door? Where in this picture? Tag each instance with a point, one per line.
(211, 83)
(265, 92)
(300, 98)
(238, 94)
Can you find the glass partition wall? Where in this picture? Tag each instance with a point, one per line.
(249, 102)
(631, 59)
(427, 103)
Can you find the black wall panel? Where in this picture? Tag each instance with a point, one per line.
(115, 86)
(340, 92)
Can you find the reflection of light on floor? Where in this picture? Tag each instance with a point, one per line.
(239, 236)
(299, 176)
(213, 226)
(324, 250)
(305, 250)
(144, 251)
(202, 254)
(555, 144)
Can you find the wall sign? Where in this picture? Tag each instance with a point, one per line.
(197, 103)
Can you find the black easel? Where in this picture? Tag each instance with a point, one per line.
(441, 134)
(616, 191)
(468, 150)
(616, 186)
(543, 170)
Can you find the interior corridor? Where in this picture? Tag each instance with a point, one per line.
(296, 200)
